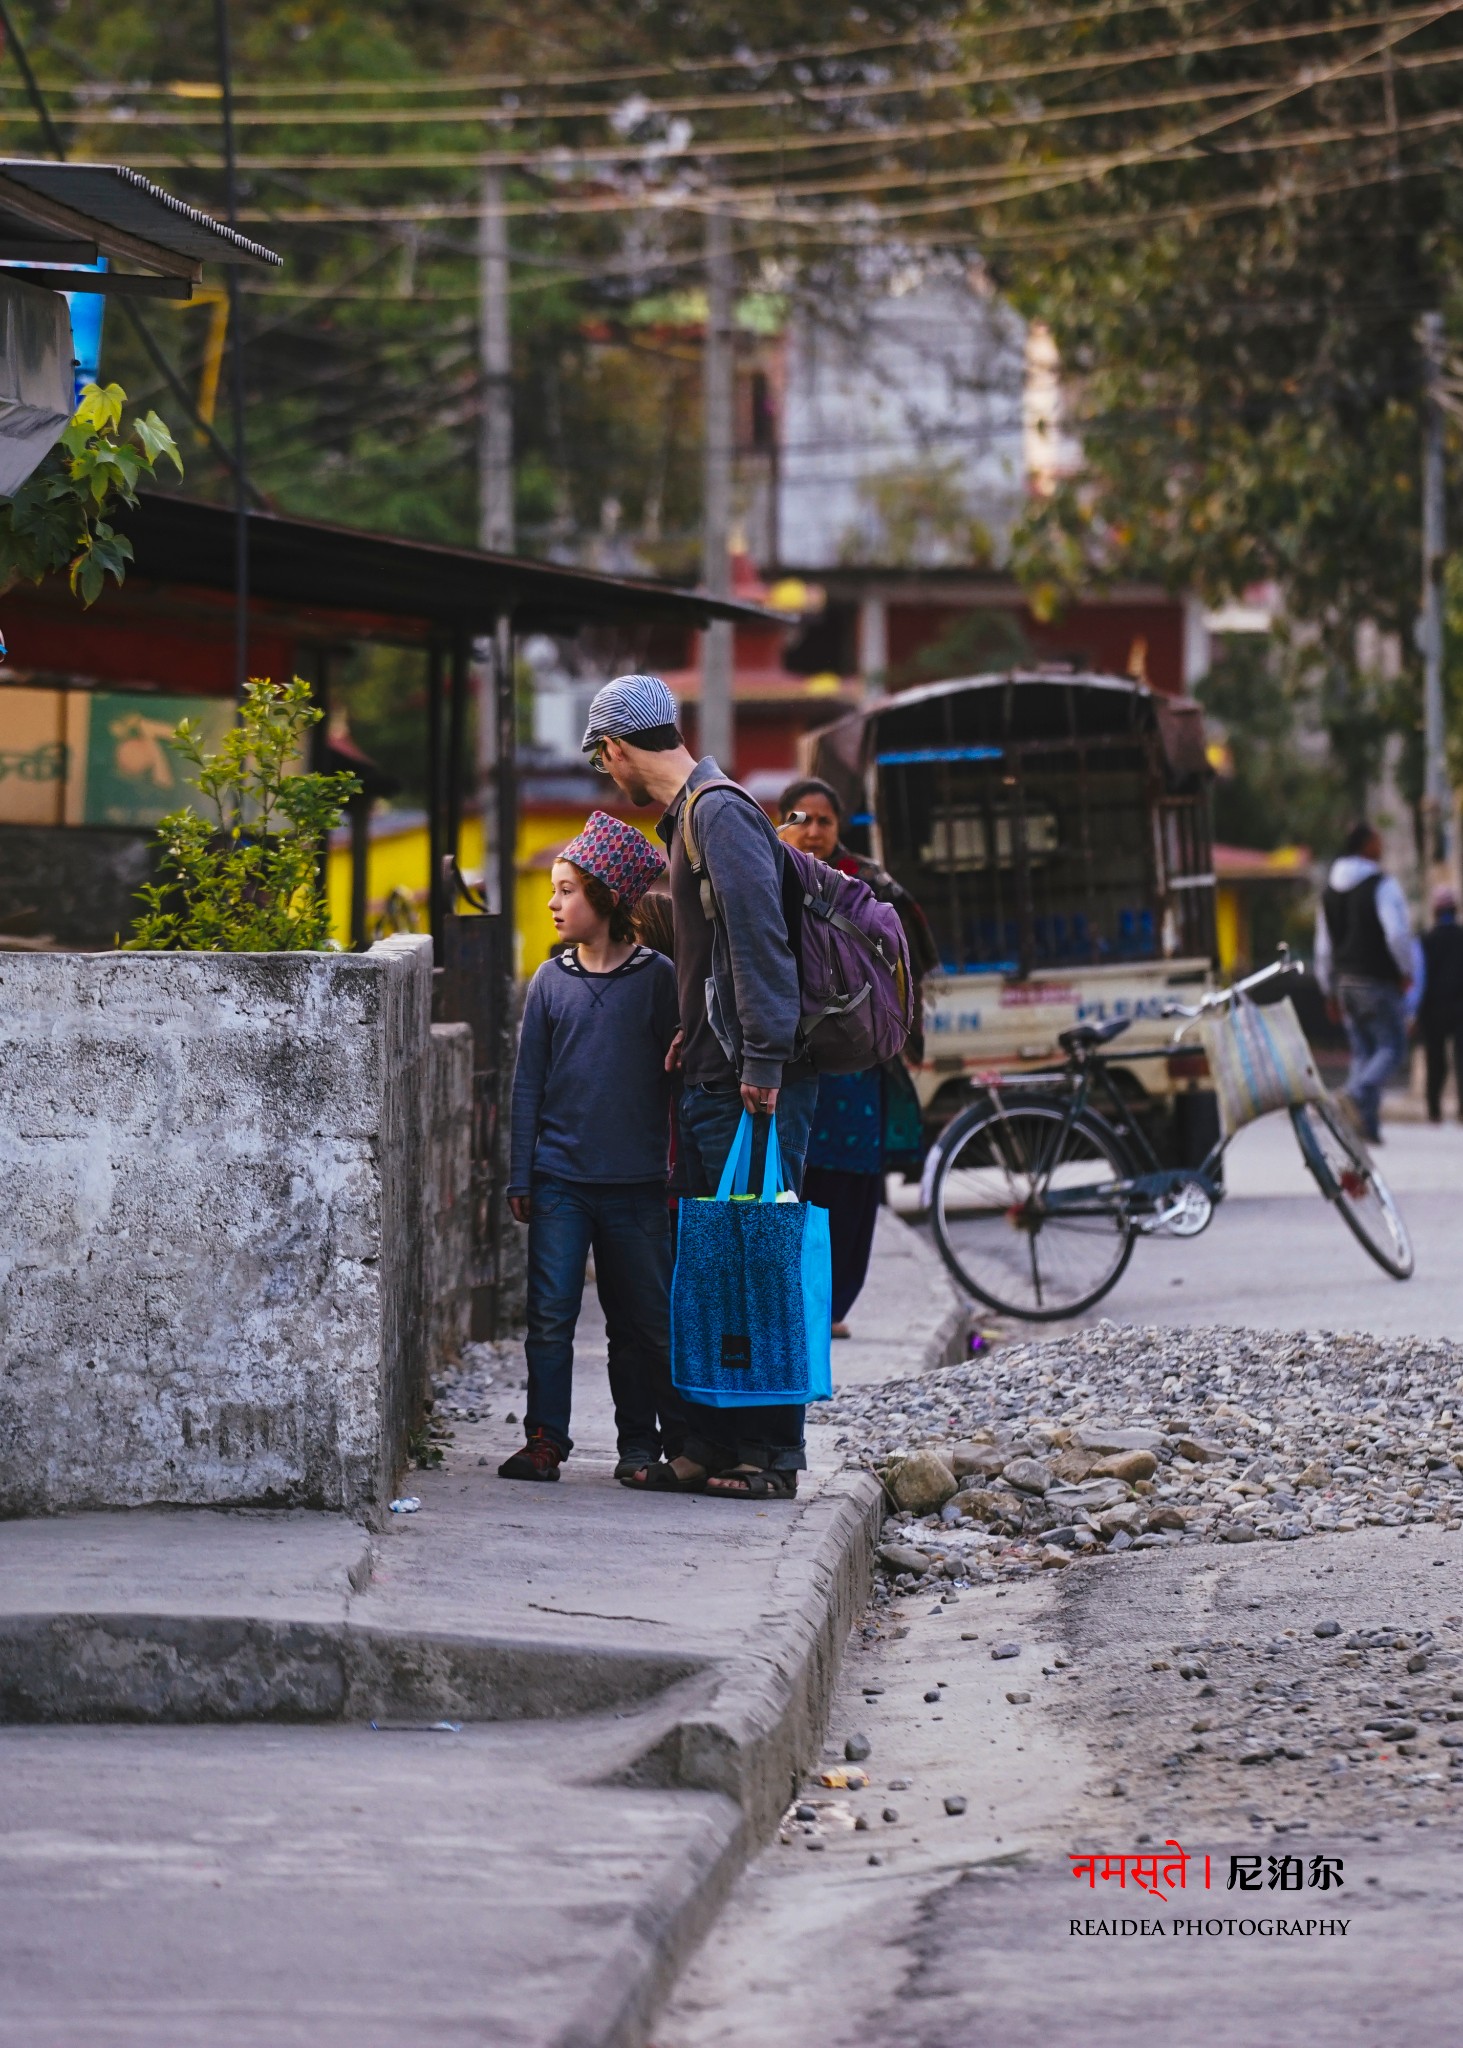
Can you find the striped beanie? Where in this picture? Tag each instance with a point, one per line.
(617, 855)
(628, 705)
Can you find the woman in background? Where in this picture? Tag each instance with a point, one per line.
(845, 1166)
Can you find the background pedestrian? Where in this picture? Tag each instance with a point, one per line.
(1364, 965)
(1440, 1013)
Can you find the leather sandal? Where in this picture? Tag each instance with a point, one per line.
(751, 1482)
(664, 1479)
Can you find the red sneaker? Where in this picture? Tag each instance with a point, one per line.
(540, 1458)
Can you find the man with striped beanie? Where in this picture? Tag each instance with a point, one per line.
(736, 1051)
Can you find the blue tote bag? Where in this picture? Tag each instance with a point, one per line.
(752, 1296)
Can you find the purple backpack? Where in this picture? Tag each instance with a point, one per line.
(852, 955)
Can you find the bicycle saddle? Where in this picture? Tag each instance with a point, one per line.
(1082, 1037)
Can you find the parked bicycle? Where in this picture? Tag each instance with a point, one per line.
(1039, 1191)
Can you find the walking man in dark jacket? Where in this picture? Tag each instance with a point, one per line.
(1440, 1013)
(739, 1006)
(1364, 966)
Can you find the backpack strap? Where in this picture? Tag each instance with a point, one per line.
(821, 906)
(688, 833)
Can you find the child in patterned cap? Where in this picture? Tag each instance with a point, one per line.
(590, 1137)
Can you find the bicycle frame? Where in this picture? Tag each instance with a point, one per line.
(1085, 1083)
(1051, 1126)
(1077, 1079)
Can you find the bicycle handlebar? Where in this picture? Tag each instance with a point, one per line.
(1218, 997)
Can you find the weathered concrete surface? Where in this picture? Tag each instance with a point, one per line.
(338, 1888)
(527, 1881)
(212, 1225)
(448, 1194)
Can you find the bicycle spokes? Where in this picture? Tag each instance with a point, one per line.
(1029, 1208)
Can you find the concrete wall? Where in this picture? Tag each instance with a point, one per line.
(213, 1225)
(448, 1193)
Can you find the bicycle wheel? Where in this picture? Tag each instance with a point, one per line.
(1345, 1174)
(1029, 1211)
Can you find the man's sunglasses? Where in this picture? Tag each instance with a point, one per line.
(597, 755)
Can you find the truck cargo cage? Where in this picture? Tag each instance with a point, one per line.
(1046, 821)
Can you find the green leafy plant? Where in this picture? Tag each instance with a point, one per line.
(246, 880)
(57, 519)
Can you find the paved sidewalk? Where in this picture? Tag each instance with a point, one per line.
(639, 1680)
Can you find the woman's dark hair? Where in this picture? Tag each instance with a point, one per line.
(654, 925)
(600, 899)
(810, 785)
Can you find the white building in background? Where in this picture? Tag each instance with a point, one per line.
(904, 432)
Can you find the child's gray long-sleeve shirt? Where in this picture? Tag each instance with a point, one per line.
(591, 1096)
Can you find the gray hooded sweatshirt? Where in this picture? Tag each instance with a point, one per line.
(736, 976)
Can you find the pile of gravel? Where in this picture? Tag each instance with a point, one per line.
(1038, 1454)
(478, 1386)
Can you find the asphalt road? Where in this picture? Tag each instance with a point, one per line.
(1276, 1256)
(932, 1929)
(935, 1930)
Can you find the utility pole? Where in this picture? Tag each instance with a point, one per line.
(236, 359)
(719, 427)
(495, 365)
(493, 656)
(1437, 791)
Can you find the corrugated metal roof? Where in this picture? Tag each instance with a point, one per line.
(115, 197)
(997, 679)
(310, 563)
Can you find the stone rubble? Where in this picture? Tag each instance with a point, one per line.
(1036, 1455)
(485, 1377)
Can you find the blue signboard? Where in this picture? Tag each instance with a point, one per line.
(87, 309)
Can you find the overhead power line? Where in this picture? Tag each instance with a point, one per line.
(204, 90)
(862, 140)
(1074, 63)
(1006, 182)
(1163, 147)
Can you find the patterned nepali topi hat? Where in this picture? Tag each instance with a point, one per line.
(617, 855)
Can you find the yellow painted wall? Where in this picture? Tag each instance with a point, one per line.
(1229, 927)
(398, 860)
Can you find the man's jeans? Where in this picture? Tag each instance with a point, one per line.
(1375, 1014)
(769, 1438)
(629, 1231)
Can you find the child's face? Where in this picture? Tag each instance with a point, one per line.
(575, 917)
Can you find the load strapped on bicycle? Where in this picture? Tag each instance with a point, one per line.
(1039, 1191)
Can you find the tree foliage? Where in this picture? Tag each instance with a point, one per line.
(246, 879)
(1239, 313)
(1230, 219)
(364, 390)
(58, 517)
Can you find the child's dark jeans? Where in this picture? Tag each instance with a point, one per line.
(628, 1229)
